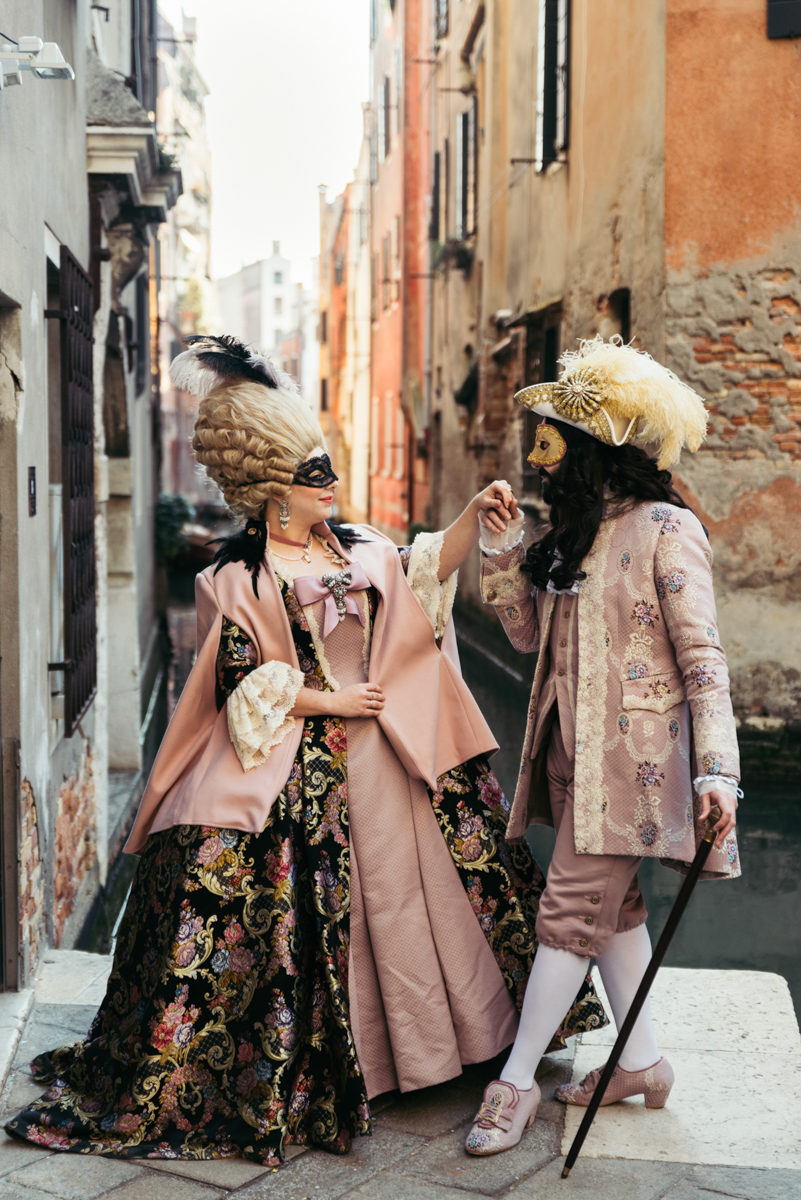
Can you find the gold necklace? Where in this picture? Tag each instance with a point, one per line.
(305, 555)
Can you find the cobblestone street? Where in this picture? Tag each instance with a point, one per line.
(727, 1147)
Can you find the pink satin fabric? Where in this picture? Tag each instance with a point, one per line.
(309, 589)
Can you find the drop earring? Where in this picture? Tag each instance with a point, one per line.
(283, 512)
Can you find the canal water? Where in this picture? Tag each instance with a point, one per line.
(752, 923)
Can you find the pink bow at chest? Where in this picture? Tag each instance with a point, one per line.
(334, 590)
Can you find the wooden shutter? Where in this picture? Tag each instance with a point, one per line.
(78, 491)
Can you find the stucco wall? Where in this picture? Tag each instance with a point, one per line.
(733, 325)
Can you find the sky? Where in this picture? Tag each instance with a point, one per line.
(287, 79)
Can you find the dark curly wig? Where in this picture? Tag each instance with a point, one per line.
(589, 472)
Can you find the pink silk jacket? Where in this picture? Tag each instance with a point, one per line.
(652, 703)
(430, 716)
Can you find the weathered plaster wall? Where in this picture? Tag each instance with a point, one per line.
(733, 325)
(735, 335)
(32, 923)
(573, 234)
(76, 842)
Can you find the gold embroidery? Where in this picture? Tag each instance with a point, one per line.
(592, 697)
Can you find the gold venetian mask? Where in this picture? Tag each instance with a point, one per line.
(549, 446)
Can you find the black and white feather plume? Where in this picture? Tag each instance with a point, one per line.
(211, 361)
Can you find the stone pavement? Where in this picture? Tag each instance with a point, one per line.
(730, 1129)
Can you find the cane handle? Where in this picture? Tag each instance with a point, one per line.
(711, 822)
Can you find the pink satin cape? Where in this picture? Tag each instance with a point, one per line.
(430, 716)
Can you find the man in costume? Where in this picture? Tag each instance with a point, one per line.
(630, 737)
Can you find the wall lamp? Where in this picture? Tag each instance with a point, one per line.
(44, 59)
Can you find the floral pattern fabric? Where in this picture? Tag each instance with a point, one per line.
(225, 1027)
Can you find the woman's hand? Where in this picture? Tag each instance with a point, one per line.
(358, 700)
(727, 803)
(496, 505)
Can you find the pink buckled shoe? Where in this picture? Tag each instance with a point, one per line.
(505, 1112)
(654, 1083)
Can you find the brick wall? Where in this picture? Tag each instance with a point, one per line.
(738, 336)
(31, 900)
(76, 842)
(735, 335)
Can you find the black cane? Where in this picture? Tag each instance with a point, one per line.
(671, 925)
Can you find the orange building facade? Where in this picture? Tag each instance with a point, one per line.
(399, 266)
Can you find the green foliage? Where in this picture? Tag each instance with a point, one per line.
(172, 513)
(167, 161)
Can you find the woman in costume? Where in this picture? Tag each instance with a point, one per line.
(325, 908)
(630, 700)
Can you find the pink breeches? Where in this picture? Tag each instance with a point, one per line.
(588, 897)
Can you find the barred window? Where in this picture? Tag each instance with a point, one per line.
(75, 313)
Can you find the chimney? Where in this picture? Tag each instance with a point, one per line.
(276, 249)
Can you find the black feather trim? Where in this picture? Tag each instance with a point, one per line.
(248, 546)
(346, 534)
(233, 360)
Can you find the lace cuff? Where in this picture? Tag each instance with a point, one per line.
(258, 711)
(494, 544)
(436, 598)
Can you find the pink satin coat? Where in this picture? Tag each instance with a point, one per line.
(430, 716)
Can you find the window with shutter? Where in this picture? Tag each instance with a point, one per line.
(433, 225)
(553, 81)
(78, 490)
(784, 18)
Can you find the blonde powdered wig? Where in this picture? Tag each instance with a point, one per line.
(615, 393)
(253, 428)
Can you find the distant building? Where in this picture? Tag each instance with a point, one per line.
(345, 334)
(256, 303)
(403, 86)
(186, 294)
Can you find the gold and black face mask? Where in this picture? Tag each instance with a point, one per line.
(549, 446)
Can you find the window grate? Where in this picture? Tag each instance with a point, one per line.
(78, 495)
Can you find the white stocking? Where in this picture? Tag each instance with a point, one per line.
(553, 985)
(622, 966)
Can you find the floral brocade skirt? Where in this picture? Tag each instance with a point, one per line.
(225, 1026)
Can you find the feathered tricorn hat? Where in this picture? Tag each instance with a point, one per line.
(615, 392)
(212, 361)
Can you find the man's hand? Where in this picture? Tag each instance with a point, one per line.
(496, 505)
(727, 803)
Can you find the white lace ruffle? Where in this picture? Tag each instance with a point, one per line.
(258, 711)
(493, 543)
(423, 576)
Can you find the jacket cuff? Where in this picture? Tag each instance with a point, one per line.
(258, 711)
(492, 543)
